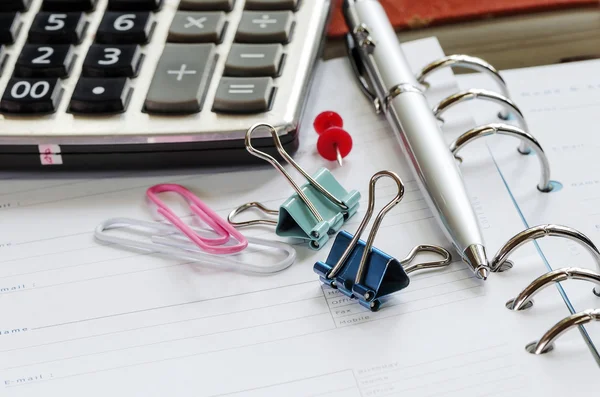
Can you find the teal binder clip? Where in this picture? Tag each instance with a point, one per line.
(317, 210)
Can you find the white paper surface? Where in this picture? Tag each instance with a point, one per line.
(81, 318)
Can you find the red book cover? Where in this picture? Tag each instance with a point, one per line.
(414, 14)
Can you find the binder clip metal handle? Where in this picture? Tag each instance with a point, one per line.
(491, 96)
(411, 268)
(546, 342)
(545, 185)
(282, 171)
(365, 221)
(247, 206)
(501, 263)
(524, 298)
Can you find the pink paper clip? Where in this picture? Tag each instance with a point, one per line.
(223, 229)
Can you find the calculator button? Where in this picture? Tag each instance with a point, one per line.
(44, 61)
(9, 27)
(31, 96)
(125, 28)
(271, 4)
(265, 27)
(57, 28)
(69, 5)
(197, 27)
(95, 95)
(243, 95)
(134, 5)
(206, 5)
(246, 60)
(14, 5)
(181, 79)
(106, 60)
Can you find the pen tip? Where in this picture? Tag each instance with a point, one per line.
(483, 273)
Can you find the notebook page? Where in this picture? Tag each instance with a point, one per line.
(81, 317)
(560, 103)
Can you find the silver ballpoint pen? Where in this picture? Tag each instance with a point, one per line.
(385, 76)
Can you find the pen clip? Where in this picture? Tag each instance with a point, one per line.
(360, 72)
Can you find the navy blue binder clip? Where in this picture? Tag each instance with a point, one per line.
(363, 272)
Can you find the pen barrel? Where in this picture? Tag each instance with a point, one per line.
(434, 168)
(417, 129)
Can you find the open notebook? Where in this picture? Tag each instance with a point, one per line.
(81, 318)
(561, 104)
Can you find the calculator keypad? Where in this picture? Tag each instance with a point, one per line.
(154, 72)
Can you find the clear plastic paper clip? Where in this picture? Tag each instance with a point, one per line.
(165, 239)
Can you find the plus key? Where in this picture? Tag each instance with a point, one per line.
(181, 79)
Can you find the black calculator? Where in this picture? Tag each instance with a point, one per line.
(152, 83)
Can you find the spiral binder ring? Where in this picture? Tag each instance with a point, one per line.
(545, 184)
(523, 300)
(476, 93)
(501, 263)
(247, 206)
(363, 224)
(468, 62)
(546, 342)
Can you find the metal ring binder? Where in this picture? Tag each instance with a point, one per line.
(506, 129)
(476, 93)
(365, 221)
(546, 342)
(501, 263)
(252, 222)
(464, 61)
(523, 300)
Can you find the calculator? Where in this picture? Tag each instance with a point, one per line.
(152, 83)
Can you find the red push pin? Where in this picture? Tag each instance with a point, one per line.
(334, 142)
